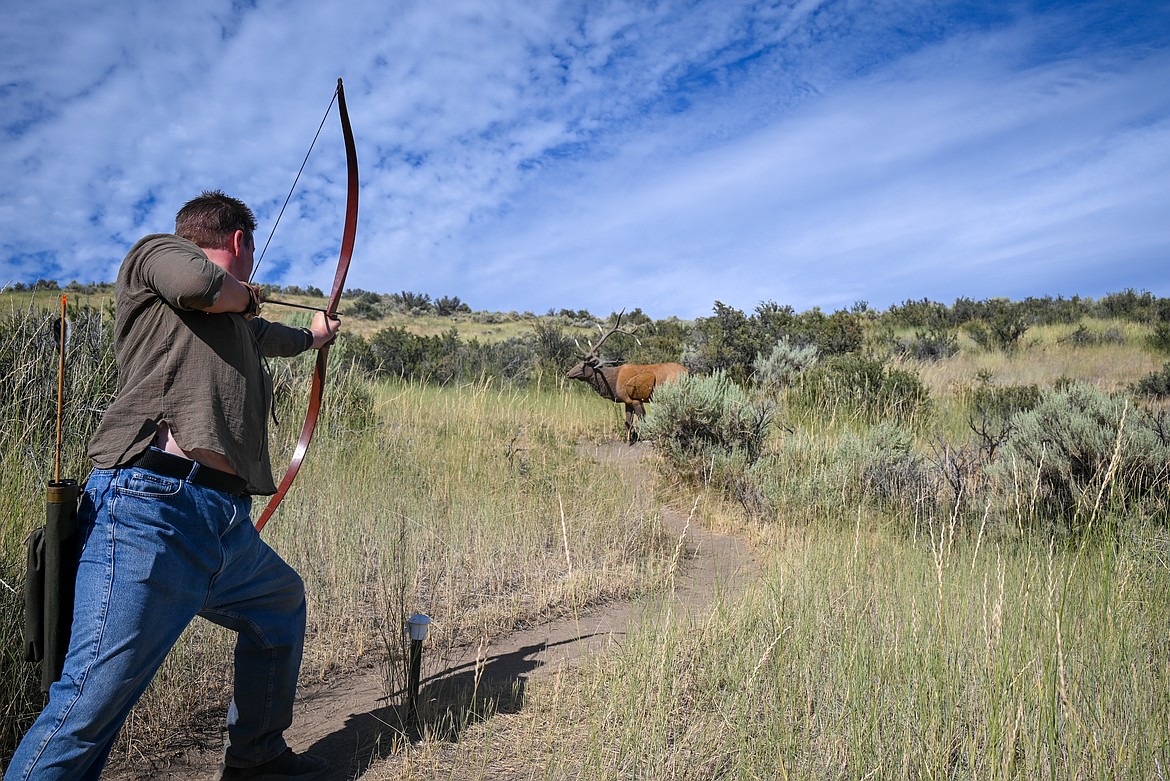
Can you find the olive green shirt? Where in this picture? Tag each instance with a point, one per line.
(203, 374)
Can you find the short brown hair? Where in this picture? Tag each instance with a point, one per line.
(210, 220)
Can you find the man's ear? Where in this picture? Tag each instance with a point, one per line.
(238, 241)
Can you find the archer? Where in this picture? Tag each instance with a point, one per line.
(165, 515)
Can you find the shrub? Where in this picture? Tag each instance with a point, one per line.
(659, 342)
(442, 359)
(1079, 443)
(554, 350)
(835, 334)
(450, 305)
(818, 477)
(961, 468)
(698, 414)
(1155, 384)
(363, 310)
(993, 411)
(1001, 327)
(711, 430)
(1130, 305)
(722, 343)
(918, 313)
(892, 472)
(932, 344)
(413, 303)
(1084, 337)
(783, 365)
(1159, 339)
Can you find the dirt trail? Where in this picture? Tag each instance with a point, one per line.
(352, 723)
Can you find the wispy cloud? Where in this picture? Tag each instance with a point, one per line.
(535, 155)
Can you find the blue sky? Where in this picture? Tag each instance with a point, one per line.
(535, 155)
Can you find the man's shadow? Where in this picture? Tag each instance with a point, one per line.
(449, 701)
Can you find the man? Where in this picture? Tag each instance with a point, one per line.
(165, 515)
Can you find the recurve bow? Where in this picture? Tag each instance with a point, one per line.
(318, 387)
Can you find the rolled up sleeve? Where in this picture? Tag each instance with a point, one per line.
(180, 273)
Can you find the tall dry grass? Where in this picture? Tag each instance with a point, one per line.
(861, 654)
(469, 504)
(1047, 355)
(885, 639)
(29, 336)
(893, 640)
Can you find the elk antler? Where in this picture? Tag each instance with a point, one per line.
(592, 356)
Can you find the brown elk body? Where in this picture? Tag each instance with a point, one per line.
(630, 384)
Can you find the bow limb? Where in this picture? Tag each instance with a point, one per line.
(317, 390)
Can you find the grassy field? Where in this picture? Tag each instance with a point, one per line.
(468, 503)
(482, 326)
(880, 641)
(451, 505)
(865, 655)
(1047, 356)
(877, 644)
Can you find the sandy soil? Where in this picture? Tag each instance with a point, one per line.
(353, 723)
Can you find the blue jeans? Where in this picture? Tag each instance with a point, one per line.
(158, 551)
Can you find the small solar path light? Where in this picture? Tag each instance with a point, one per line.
(417, 625)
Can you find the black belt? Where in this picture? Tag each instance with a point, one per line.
(164, 463)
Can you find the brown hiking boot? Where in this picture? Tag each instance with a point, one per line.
(289, 766)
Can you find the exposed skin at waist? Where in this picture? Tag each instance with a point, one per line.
(164, 440)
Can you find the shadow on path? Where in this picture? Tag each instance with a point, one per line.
(449, 702)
